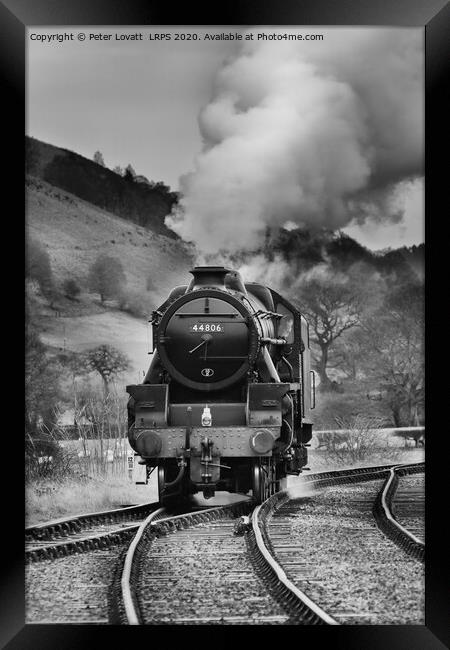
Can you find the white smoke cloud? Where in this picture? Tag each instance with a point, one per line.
(311, 133)
(405, 204)
(275, 274)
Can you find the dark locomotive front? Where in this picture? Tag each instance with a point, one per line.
(226, 402)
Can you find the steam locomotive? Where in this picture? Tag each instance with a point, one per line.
(226, 403)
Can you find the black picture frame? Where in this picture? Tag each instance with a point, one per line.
(434, 16)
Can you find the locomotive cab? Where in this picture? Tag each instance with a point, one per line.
(224, 404)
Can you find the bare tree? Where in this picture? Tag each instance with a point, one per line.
(119, 170)
(106, 277)
(108, 362)
(129, 174)
(395, 353)
(98, 158)
(333, 304)
(349, 354)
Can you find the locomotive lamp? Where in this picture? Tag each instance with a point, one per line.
(262, 441)
(206, 417)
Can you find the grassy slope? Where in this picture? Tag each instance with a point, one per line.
(47, 499)
(134, 201)
(74, 232)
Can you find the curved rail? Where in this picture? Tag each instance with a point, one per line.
(302, 609)
(124, 602)
(128, 595)
(125, 605)
(67, 525)
(61, 537)
(386, 521)
(288, 592)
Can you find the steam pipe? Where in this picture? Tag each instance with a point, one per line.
(269, 341)
(270, 367)
(289, 367)
(177, 479)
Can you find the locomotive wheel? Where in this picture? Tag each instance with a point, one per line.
(241, 480)
(280, 478)
(257, 482)
(263, 480)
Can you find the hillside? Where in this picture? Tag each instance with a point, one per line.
(73, 232)
(133, 201)
(303, 249)
(105, 213)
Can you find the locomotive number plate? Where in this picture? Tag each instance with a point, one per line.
(208, 327)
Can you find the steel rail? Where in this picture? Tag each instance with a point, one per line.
(125, 582)
(67, 525)
(124, 604)
(302, 608)
(88, 542)
(385, 518)
(388, 512)
(66, 536)
(284, 583)
(299, 606)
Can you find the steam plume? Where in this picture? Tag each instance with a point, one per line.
(312, 133)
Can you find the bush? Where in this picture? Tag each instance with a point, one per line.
(38, 267)
(133, 303)
(107, 277)
(45, 457)
(94, 446)
(347, 405)
(42, 390)
(360, 439)
(71, 289)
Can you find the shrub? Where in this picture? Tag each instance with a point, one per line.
(106, 277)
(71, 289)
(360, 439)
(133, 303)
(94, 445)
(45, 457)
(42, 390)
(38, 267)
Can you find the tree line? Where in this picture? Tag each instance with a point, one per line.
(367, 330)
(129, 174)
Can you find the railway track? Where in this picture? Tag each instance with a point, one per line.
(167, 578)
(403, 499)
(85, 532)
(204, 574)
(191, 568)
(341, 564)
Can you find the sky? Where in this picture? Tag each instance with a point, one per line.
(164, 107)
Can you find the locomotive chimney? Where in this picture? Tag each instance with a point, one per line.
(208, 276)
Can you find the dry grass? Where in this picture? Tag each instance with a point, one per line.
(86, 473)
(50, 499)
(74, 232)
(319, 460)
